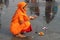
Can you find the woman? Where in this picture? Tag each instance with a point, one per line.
(20, 21)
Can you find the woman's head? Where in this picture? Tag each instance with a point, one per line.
(22, 5)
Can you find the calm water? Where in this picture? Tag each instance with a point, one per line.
(53, 32)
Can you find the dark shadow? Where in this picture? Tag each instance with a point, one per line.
(50, 11)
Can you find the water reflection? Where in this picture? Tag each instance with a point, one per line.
(27, 1)
(6, 2)
(27, 38)
(0, 17)
(33, 6)
(0, 9)
(1, 5)
(50, 11)
(1, 2)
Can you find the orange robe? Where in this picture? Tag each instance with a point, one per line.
(20, 15)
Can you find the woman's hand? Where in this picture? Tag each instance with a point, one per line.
(33, 17)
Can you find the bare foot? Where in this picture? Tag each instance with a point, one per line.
(21, 36)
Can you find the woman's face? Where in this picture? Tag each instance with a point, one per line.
(25, 7)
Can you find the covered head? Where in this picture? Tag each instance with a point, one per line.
(21, 4)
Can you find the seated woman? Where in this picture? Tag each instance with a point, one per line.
(20, 21)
